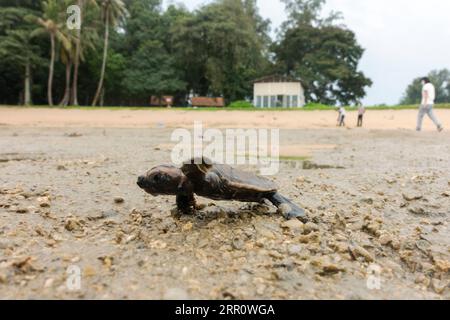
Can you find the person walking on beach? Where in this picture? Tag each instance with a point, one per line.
(341, 118)
(361, 112)
(426, 107)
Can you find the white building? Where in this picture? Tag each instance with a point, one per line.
(278, 92)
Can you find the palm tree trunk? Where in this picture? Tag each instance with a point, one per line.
(27, 93)
(105, 57)
(102, 98)
(74, 98)
(66, 99)
(51, 70)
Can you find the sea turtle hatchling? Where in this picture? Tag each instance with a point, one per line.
(216, 182)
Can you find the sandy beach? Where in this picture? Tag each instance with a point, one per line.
(378, 120)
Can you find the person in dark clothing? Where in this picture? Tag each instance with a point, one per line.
(361, 112)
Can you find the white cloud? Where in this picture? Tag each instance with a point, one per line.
(404, 39)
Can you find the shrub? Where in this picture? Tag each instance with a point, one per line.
(318, 106)
(241, 105)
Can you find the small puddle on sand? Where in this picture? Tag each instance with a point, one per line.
(296, 156)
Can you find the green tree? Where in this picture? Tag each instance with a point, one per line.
(262, 26)
(85, 6)
(307, 12)
(52, 24)
(221, 48)
(16, 46)
(143, 23)
(153, 72)
(113, 11)
(440, 79)
(67, 56)
(152, 67)
(115, 70)
(322, 53)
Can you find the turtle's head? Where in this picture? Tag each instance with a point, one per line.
(162, 180)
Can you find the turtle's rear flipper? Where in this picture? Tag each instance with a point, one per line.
(296, 212)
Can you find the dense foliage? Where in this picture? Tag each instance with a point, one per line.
(324, 54)
(129, 50)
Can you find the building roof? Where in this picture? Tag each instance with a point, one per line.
(276, 79)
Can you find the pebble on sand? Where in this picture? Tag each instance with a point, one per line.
(357, 251)
(107, 261)
(412, 197)
(26, 266)
(89, 271)
(284, 209)
(44, 202)
(331, 269)
(439, 286)
(119, 200)
(72, 225)
(187, 227)
(385, 239)
(313, 237)
(417, 211)
(442, 265)
(326, 267)
(49, 283)
(22, 210)
(293, 225)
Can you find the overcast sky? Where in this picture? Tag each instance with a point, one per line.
(404, 39)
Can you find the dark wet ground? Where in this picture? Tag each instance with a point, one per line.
(380, 213)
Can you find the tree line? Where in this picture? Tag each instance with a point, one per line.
(129, 50)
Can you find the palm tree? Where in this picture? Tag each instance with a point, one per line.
(16, 47)
(51, 23)
(67, 57)
(113, 11)
(82, 4)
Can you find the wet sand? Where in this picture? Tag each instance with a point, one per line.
(68, 199)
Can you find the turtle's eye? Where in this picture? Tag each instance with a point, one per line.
(157, 178)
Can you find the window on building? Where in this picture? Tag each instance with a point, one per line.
(294, 101)
(266, 102)
(259, 101)
(273, 101)
(288, 102)
(279, 103)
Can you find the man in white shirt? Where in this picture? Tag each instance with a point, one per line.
(428, 97)
(341, 118)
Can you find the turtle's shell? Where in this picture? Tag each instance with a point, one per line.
(243, 181)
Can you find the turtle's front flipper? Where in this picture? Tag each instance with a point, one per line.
(186, 203)
(296, 212)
